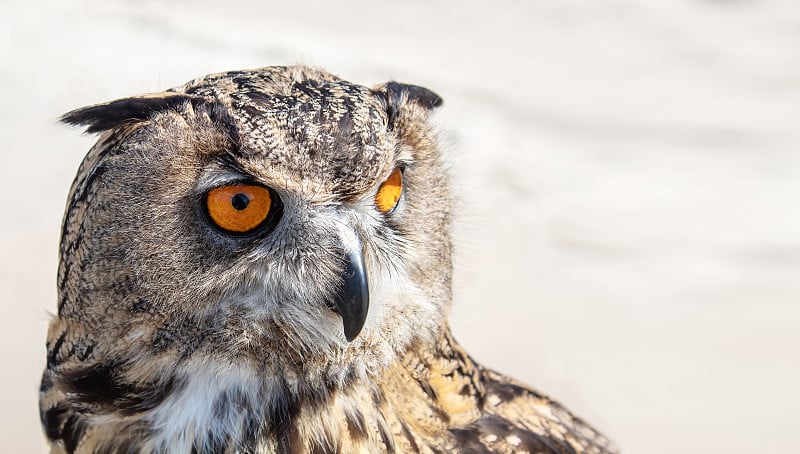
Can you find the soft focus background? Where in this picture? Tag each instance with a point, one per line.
(629, 235)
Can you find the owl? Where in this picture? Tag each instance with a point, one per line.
(260, 261)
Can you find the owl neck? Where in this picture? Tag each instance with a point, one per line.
(212, 407)
(215, 408)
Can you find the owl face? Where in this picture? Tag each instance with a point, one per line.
(280, 217)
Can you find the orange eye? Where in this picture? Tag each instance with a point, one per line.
(239, 208)
(390, 191)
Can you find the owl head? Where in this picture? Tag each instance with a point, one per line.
(280, 218)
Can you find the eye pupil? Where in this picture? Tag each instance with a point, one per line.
(240, 201)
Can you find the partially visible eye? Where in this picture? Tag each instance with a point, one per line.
(241, 208)
(390, 191)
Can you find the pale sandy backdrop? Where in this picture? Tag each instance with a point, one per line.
(629, 171)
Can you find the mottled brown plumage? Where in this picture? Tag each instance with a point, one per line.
(324, 329)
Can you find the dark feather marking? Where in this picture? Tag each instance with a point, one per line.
(52, 419)
(307, 87)
(377, 396)
(533, 441)
(259, 97)
(281, 416)
(99, 385)
(344, 134)
(509, 391)
(356, 425)
(165, 336)
(72, 432)
(141, 305)
(421, 95)
(395, 94)
(53, 350)
(209, 445)
(409, 436)
(143, 399)
(391, 112)
(469, 441)
(223, 404)
(251, 111)
(427, 388)
(82, 349)
(101, 117)
(386, 435)
(94, 384)
(226, 405)
(283, 412)
(222, 118)
(493, 425)
(429, 391)
(252, 428)
(317, 396)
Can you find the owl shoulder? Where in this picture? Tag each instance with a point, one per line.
(518, 418)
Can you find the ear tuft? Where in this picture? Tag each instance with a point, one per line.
(101, 117)
(397, 94)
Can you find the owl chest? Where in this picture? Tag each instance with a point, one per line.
(227, 414)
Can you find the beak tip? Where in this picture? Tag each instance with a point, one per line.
(351, 334)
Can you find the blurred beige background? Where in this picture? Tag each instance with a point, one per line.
(629, 170)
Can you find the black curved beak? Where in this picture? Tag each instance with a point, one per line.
(352, 301)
